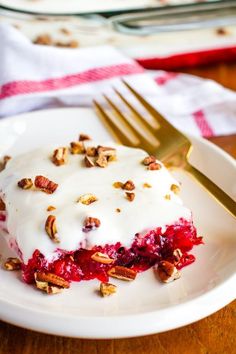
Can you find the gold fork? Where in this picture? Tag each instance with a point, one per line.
(163, 141)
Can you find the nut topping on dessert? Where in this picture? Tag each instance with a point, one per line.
(130, 196)
(148, 160)
(2, 205)
(102, 161)
(154, 166)
(167, 272)
(107, 289)
(4, 162)
(91, 224)
(102, 258)
(122, 273)
(106, 151)
(88, 162)
(177, 255)
(51, 228)
(174, 188)
(51, 279)
(45, 185)
(51, 208)
(49, 289)
(83, 137)
(128, 185)
(12, 264)
(167, 197)
(77, 147)
(60, 156)
(87, 199)
(91, 151)
(147, 185)
(25, 183)
(118, 210)
(118, 185)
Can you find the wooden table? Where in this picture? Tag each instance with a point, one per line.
(215, 334)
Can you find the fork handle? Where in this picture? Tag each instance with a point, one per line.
(223, 198)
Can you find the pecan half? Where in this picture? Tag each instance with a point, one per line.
(167, 272)
(4, 162)
(101, 258)
(83, 137)
(60, 156)
(51, 279)
(25, 183)
(130, 196)
(107, 289)
(149, 159)
(91, 151)
(174, 188)
(51, 228)
(122, 273)
(2, 205)
(12, 264)
(87, 199)
(128, 185)
(102, 161)
(154, 166)
(77, 147)
(88, 162)
(118, 185)
(45, 185)
(91, 224)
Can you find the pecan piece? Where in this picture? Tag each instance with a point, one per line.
(102, 161)
(122, 273)
(12, 264)
(128, 185)
(87, 199)
(60, 156)
(51, 208)
(88, 162)
(45, 185)
(107, 289)
(130, 196)
(174, 188)
(106, 151)
(25, 183)
(118, 210)
(167, 197)
(51, 279)
(77, 147)
(101, 258)
(148, 160)
(2, 205)
(49, 289)
(91, 224)
(118, 185)
(147, 185)
(177, 255)
(51, 228)
(154, 166)
(91, 151)
(4, 162)
(167, 272)
(83, 137)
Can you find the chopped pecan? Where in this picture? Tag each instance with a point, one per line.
(167, 272)
(12, 264)
(167, 197)
(174, 188)
(44, 39)
(2, 205)
(51, 208)
(45, 185)
(154, 166)
(25, 183)
(177, 255)
(91, 151)
(130, 196)
(91, 224)
(128, 185)
(102, 161)
(106, 151)
(122, 273)
(77, 147)
(51, 228)
(87, 199)
(49, 289)
(107, 289)
(101, 258)
(118, 185)
(60, 156)
(148, 160)
(83, 137)
(88, 162)
(4, 162)
(118, 210)
(51, 279)
(147, 185)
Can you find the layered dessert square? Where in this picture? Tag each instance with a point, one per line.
(90, 210)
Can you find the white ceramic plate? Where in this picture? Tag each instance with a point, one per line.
(144, 306)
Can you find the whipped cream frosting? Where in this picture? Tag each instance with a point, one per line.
(27, 209)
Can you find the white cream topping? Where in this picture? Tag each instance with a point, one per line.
(27, 209)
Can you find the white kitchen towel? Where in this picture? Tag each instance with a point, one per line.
(35, 77)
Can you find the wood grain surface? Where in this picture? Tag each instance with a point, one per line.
(215, 334)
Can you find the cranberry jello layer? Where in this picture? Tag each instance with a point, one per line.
(86, 211)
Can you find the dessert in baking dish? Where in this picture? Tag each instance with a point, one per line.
(93, 211)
